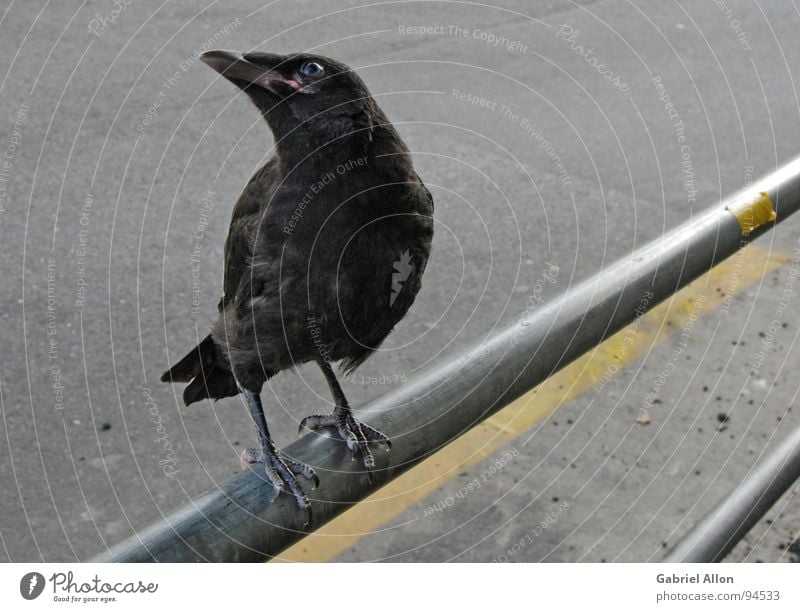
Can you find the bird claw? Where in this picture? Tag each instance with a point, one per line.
(281, 473)
(356, 435)
(250, 456)
(315, 421)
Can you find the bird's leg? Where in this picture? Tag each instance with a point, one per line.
(280, 470)
(357, 435)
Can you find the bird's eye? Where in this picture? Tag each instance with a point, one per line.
(311, 69)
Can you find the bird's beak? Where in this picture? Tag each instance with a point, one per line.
(258, 69)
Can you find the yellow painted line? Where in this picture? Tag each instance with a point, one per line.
(701, 297)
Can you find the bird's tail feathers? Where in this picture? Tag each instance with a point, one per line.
(202, 370)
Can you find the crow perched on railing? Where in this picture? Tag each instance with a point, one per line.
(325, 253)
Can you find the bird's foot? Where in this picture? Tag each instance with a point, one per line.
(357, 435)
(281, 472)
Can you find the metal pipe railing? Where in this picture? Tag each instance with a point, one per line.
(715, 535)
(237, 521)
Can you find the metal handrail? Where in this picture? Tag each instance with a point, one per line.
(238, 522)
(715, 535)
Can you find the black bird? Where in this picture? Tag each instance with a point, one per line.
(325, 253)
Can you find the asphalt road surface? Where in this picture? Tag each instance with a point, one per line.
(555, 137)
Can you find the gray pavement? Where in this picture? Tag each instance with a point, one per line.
(596, 127)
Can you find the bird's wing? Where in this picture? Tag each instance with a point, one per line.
(246, 219)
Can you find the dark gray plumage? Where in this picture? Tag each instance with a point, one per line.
(326, 249)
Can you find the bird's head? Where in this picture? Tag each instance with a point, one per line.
(301, 94)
